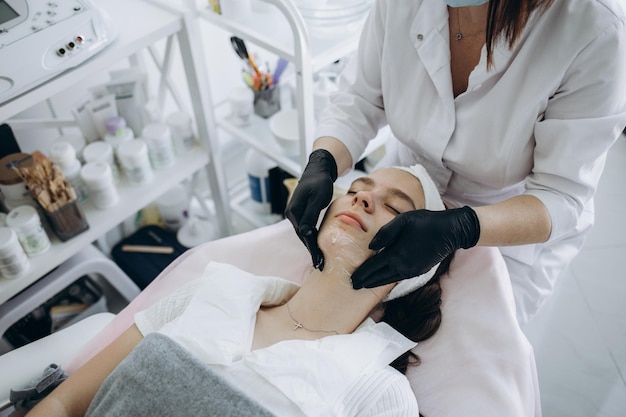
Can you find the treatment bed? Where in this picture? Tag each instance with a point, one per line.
(478, 364)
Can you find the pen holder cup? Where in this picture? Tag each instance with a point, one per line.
(267, 102)
(68, 221)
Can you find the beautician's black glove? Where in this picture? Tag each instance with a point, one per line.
(414, 242)
(312, 194)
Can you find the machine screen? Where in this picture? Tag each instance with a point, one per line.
(6, 12)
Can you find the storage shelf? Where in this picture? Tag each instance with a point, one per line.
(156, 24)
(258, 135)
(272, 32)
(132, 199)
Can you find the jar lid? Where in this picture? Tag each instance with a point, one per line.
(97, 174)
(23, 219)
(115, 123)
(133, 150)
(98, 151)
(77, 142)
(8, 240)
(156, 131)
(62, 153)
(9, 176)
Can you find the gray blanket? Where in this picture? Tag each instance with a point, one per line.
(160, 378)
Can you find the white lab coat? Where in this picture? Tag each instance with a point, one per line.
(539, 122)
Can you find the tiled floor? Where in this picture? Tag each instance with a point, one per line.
(580, 335)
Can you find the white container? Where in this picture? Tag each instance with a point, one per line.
(98, 178)
(195, 232)
(158, 137)
(77, 141)
(135, 162)
(63, 155)
(241, 105)
(25, 221)
(258, 167)
(182, 132)
(284, 127)
(173, 207)
(117, 132)
(13, 259)
(100, 151)
(14, 190)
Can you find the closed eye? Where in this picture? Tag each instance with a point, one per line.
(393, 209)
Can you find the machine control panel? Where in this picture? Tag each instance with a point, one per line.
(39, 39)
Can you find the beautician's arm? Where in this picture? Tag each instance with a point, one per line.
(517, 221)
(338, 150)
(73, 396)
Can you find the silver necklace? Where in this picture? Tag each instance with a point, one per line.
(298, 324)
(460, 35)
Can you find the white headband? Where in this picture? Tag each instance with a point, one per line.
(432, 201)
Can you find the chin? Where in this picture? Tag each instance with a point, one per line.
(340, 241)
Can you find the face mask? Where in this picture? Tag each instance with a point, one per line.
(465, 3)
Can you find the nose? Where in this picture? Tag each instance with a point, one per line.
(364, 199)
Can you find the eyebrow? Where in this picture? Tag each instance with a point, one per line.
(393, 191)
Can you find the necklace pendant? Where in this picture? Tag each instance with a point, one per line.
(297, 325)
(458, 36)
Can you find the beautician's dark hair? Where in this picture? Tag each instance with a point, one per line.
(506, 19)
(417, 315)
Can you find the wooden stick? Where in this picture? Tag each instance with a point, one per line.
(148, 249)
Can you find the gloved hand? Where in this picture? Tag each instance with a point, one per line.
(312, 194)
(414, 242)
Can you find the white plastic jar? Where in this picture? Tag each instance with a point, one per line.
(100, 151)
(13, 259)
(14, 190)
(63, 155)
(99, 180)
(158, 137)
(182, 132)
(133, 156)
(117, 132)
(25, 221)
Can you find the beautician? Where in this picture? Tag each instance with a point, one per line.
(511, 105)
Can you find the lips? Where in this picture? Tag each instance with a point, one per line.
(351, 219)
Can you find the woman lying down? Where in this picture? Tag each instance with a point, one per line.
(230, 343)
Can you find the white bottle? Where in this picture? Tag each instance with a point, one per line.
(182, 132)
(25, 221)
(100, 151)
(63, 155)
(99, 180)
(13, 259)
(258, 167)
(160, 147)
(135, 162)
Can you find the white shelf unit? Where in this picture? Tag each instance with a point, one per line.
(140, 25)
(284, 33)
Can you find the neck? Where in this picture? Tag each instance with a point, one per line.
(327, 302)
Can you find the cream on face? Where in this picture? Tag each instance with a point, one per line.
(352, 220)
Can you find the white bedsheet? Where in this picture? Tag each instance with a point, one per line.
(478, 364)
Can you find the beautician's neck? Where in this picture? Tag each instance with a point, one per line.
(327, 301)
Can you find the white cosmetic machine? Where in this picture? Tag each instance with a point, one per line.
(40, 39)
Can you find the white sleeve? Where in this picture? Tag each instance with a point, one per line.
(582, 121)
(167, 309)
(386, 394)
(357, 112)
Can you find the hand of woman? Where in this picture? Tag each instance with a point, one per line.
(414, 242)
(312, 194)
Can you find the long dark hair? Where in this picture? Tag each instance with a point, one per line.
(416, 315)
(506, 19)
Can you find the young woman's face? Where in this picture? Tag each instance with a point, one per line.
(352, 220)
